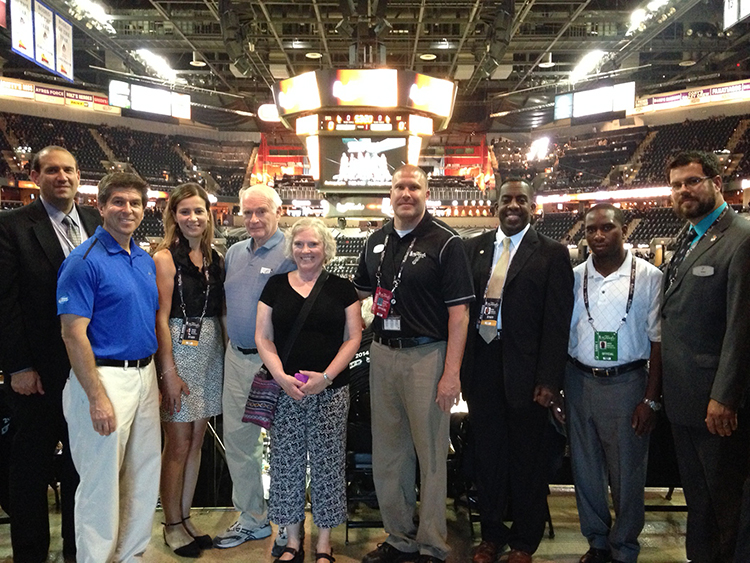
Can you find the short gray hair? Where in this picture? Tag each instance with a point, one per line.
(271, 195)
(325, 236)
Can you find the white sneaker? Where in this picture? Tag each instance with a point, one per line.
(237, 535)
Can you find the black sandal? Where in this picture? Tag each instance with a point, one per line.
(204, 541)
(191, 549)
(326, 556)
(299, 555)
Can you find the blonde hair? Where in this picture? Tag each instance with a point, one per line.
(325, 236)
(171, 229)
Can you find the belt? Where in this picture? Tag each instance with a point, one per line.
(247, 351)
(609, 372)
(143, 362)
(404, 342)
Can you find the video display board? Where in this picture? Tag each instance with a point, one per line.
(360, 162)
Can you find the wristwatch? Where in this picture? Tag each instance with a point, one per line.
(654, 405)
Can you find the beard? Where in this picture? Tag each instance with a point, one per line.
(698, 206)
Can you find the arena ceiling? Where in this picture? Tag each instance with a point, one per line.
(495, 50)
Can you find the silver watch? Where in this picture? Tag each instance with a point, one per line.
(653, 405)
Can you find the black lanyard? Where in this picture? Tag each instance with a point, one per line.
(631, 292)
(182, 298)
(397, 278)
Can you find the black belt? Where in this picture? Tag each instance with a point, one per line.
(609, 372)
(247, 351)
(143, 362)
(404, 342)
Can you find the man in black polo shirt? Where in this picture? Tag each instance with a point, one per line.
(417, 272)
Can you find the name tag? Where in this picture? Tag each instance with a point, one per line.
(605, 346)
(264, 270)
(191, 331)
(703, 271)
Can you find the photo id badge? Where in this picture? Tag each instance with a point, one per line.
(392, 323)
(381, 302)
(605, 346)
(191, 331)
(489, 312)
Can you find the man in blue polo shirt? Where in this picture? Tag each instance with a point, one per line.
(107, 301)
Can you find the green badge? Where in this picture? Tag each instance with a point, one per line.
(605, 346)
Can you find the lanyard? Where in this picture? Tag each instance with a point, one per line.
(631, 292)
(182, 298)
(695, 242)
(397, 278)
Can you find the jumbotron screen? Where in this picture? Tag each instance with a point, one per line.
(360, 162)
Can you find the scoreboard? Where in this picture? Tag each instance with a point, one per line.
(380, 122)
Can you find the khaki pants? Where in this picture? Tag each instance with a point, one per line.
(408, 426)
(242, 439)
(116, 498)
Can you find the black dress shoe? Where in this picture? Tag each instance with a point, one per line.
(595, 555)
(386, 553)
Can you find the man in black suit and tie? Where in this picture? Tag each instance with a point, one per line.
(34, 241)
(513, 367)
(706, 355)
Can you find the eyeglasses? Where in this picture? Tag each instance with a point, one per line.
(691, 182)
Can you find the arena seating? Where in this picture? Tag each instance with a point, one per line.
(706, 135)
(656, 222)
(151, 226)
(38, 132)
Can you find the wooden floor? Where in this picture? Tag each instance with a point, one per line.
(662, 540)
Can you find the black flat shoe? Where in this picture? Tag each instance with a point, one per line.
(204, 542)
(191, 549)
(299, 556)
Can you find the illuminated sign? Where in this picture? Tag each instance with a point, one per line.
(119, 94)
(360, 162)
(373, 87)
(730, 91)
(432, 95)
(16, 89)
(307, 125)
(298, 94)
(150, 100)
(420, 125)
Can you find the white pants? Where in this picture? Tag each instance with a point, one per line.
(116, 498)
(242, 439)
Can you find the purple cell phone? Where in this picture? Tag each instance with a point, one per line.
(301, 376)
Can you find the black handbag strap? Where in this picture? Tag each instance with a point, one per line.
(302, 316)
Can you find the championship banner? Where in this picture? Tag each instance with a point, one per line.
(44, 36)
(22, 28)
(64, 47)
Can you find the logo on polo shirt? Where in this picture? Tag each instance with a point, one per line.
(63, 299)
(417, 256)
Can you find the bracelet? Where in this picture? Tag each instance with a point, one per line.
(653, 405)
(329, 381)
(166, 371)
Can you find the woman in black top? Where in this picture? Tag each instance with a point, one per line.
(312, 410)
(190, 279)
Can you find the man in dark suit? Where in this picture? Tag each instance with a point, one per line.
(34, 241)
(706, 356)
(513, 367)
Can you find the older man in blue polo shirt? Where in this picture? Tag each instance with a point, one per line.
(249, 265)
(107, 301)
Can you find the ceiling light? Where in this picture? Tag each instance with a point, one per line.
(314, 55)
(428, 57)
(196, 61)
(548, 62)
(688, 61)
(587, 64)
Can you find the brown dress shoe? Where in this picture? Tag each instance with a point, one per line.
(518, 556)
(485, 552)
